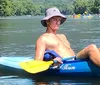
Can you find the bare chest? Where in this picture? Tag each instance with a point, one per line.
(57, 43)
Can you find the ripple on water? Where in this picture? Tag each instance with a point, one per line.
(14, 80)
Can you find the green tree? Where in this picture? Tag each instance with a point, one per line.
(80, 6)
(95, 8)
(6, 8)
(38, 7)
(20, 7)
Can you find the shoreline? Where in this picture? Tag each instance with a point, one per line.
(19, 17)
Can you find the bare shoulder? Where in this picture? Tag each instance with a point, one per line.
(42, 38)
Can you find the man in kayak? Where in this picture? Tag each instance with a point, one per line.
(50, 40)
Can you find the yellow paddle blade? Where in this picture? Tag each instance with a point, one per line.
(35, 66)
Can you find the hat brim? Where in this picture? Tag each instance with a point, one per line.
(43, 21)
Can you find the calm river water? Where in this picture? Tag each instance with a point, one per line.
(18, 36)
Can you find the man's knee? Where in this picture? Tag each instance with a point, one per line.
(92, 47)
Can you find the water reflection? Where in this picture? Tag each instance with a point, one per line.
(67, 81)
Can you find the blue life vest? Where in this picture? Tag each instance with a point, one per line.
(50, 55)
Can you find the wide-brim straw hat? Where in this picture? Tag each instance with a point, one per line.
(51, 12)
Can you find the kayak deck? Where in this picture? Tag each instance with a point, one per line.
(79, 67)
(13, 62)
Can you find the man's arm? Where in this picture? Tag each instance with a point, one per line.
(40, 49)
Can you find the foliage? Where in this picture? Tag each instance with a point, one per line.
(92, 6)
(96, 7)
(38, 7)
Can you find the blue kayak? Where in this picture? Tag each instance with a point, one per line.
(71, 67)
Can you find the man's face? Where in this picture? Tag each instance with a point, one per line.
(54, 22)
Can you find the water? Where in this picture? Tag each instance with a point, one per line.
(18, 36)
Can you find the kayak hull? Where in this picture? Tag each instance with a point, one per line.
(78, 68)
(71, 68)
